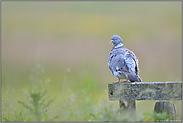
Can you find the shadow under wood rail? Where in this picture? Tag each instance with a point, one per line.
(127, 93)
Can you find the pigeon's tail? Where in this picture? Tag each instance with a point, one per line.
(139, 79)
(132, 77)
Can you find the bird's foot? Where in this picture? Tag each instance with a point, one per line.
(115, 82)
(121, 81)
(126, 81)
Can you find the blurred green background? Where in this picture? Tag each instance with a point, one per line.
(47, 39)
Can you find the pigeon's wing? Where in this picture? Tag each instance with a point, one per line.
(131, 62)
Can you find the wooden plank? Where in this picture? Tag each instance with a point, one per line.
(145, 91)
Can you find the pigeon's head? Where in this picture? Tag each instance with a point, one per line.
(115, 40)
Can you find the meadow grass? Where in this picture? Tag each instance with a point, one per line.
(70, 105)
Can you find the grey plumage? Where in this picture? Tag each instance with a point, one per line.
(122, 62)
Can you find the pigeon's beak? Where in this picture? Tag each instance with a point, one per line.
(111, 41)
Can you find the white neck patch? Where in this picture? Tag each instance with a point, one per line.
(119, 45)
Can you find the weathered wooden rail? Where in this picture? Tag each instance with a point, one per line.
(127, 93)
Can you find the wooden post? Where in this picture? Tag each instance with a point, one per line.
(128, 108)
(166, 106)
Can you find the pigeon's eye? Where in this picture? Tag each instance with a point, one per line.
(117, 38)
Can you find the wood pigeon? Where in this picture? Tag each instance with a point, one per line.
(122, 62)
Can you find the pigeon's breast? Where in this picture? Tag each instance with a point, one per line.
(116, 62)
(116, 54)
